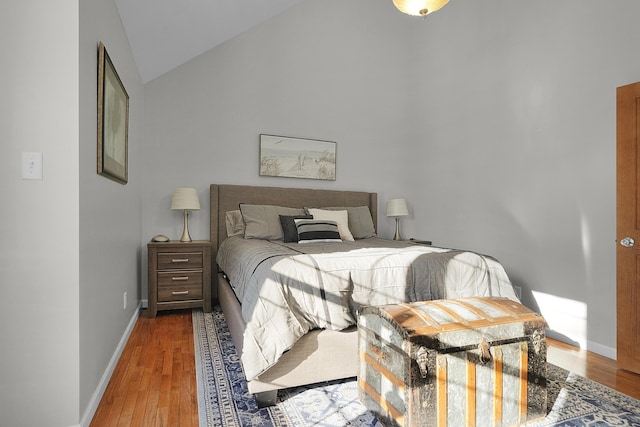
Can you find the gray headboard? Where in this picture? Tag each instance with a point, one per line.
(224, 198)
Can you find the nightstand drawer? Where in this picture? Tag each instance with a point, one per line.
(179, 293)
(167, 279)
(179, 260)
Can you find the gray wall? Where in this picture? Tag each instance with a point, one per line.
(70, 243)
(495, 119)
(519, 147)
(39, 247)
(110, 217)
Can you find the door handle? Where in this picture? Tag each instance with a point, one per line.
(627, 242)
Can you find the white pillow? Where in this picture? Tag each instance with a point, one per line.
(360, 220)
(340, 217)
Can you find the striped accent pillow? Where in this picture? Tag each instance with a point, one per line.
(317, 230)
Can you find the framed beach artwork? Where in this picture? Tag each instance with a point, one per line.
(290, 157)
(113, 121)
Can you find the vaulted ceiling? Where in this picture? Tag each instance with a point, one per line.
(166, 33)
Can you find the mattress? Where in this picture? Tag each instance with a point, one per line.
(288, 289)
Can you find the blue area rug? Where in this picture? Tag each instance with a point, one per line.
(223, 399)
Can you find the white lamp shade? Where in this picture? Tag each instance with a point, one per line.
(185, 199)
(397, 207)
(419, 7)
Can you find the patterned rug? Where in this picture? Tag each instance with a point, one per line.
(223, 399)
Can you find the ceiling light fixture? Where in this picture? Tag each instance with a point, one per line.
(419, 7)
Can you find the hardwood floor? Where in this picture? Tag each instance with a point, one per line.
(593, 366)
(154, 382)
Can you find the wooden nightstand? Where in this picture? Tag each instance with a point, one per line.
(179, 275)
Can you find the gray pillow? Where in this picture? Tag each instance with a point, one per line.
(263, 221)
(360, 222)
(234, 223)
(289, 229)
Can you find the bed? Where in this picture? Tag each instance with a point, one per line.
(290, 333)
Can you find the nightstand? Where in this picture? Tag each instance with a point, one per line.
(179, 275)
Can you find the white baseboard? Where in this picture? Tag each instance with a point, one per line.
(591, 346)
(602, 350)
(106, 376)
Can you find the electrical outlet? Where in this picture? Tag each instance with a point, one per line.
(124, 297)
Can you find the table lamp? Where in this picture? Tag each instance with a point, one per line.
(185, 199)
(397, 208)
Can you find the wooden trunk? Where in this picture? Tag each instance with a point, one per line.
(465, 362)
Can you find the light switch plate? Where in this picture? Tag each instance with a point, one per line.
(32, 165)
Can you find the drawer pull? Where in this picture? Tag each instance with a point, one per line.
(180, 293)
(180, 278)
(180, 260)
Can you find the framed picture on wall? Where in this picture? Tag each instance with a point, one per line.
(297, 157)
(113, 121)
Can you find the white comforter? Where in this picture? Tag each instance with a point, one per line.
(288, 289)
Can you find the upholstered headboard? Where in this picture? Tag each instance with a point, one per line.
(224, 198)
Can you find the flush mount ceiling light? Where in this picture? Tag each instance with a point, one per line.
(419, 7)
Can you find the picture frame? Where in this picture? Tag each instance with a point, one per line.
(290, 157)
(113, 121)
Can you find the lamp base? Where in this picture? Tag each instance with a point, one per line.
(397, 235)
(185, 232)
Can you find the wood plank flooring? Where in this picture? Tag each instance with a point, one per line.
(593, 366)
(154, 381)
